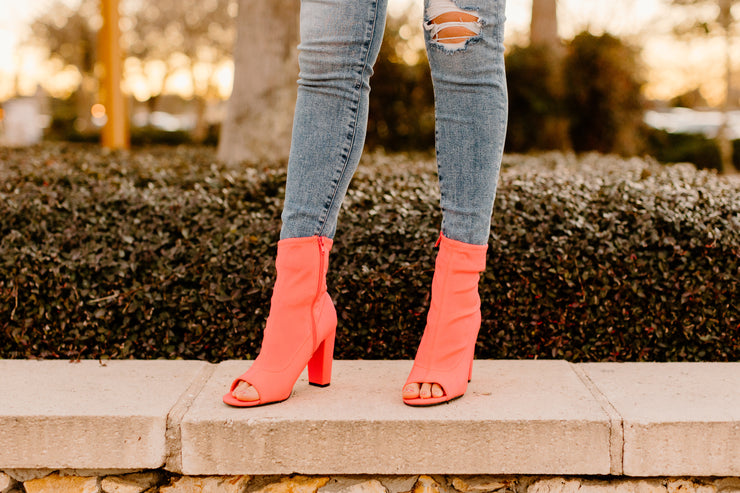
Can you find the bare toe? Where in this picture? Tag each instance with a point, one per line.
(437, 390)
(245, 392)
(426, 391)
(411, 391)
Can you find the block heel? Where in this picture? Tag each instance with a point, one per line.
(319, 366)
(301, 326)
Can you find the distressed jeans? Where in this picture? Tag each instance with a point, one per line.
(340, 41)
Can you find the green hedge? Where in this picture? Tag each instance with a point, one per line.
(165, 253)
(692, 148)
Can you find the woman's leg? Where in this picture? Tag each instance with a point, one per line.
(340, 41)
(471, 112)
(466, 54)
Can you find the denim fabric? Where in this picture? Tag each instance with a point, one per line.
(340, 40)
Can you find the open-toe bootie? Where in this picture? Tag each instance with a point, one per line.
(445, 354)
(300, 327)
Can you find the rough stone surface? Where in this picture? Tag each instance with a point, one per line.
(371, 486)
(27, 474)
(728, 485)
(96, 472)
(130, 483)
(6, 483)
(620, 486)
(481, 484)
(222, 484)
(680, 419)
(555, 485)
(517, 417)
(92, 415)
(353, 485)
(398, 484)
(648, 486)
(148, 481)
(55, 483)
(339, 484)
(687, 486)
(295, 484)
(426, 484)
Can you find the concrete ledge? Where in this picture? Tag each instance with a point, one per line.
(89, 414)
(543, 417)
(679, 418)
(517, 416)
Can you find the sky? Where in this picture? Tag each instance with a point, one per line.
(672, 67)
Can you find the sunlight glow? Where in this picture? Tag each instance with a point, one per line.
(672, 66)
(97, 110)
(225, 77)
(699, 69)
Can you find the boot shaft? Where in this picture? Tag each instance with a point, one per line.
(301, 265)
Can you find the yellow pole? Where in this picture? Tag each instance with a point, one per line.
(115, 132)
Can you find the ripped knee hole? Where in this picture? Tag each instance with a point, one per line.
(450, 25)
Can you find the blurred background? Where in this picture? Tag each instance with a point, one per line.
(631, 77)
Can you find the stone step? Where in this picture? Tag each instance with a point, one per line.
(517, 417)
(89, 414)
(678, 418)
(525, 416)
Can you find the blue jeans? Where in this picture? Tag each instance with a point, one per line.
(340, 40)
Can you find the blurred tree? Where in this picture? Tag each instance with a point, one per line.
(258, 120)
(543, 28)
(669, 147)
(191, 35)
(402, 98)
(547, 50)
(689, 99)
(537, 116)
(259, 114)
(70, 37)
(603, 95)
(708, 22)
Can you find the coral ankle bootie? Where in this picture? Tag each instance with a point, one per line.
(300, 328)
(445, 354)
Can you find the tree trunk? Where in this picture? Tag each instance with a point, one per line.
(543, 29)
(543, 33)
(84, 97)
(259, 114)
(200, 132)
(725, 144)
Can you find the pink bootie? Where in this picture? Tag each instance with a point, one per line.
(445, 355)
(300, 328)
